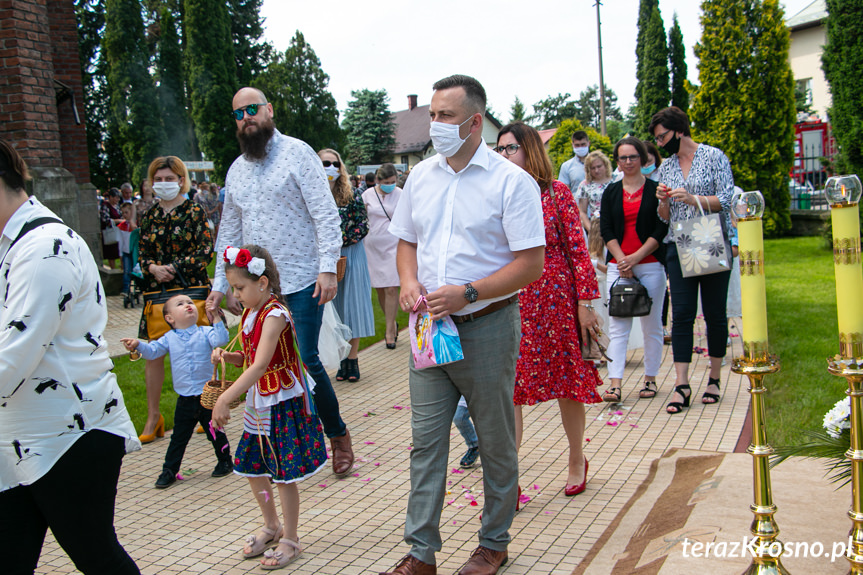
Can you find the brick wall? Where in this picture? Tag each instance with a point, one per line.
(67, 69)
(27, 101)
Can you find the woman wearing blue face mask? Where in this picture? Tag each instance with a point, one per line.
(353, 302)
(650, 169)
(381, 201)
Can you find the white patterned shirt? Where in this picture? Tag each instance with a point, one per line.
(56, 382)
(283, 204)
(709, 175)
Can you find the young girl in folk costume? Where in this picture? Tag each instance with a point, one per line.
(282, 437)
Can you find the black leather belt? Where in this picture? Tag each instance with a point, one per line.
(491, 308)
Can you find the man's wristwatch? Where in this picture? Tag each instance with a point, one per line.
(470, 293)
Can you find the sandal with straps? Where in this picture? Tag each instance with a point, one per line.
(708, 398)
(281, 558)
(612, 395)
(259, 547)
(677, 406)
(648, 391)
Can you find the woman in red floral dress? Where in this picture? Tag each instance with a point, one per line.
(556, 310)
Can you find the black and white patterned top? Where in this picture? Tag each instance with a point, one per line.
(710, 175)
(56, 381)
(283, 204)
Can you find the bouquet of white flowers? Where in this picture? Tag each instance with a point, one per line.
(831, 444)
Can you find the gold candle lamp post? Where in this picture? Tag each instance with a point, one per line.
(756, 362)
(843, 193)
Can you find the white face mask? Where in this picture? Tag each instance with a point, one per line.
(166, 190)
(332, 173)
(445, 137)
(582, 151)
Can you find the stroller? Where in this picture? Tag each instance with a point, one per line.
(134, 295)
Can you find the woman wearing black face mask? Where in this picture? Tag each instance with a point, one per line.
(694, 174)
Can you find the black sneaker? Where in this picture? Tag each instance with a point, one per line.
(224, 467)
(469, 459)
(166, 479)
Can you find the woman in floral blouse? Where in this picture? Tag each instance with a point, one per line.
(597, 176)
(694, 174)
(176, 247)
(353, 302)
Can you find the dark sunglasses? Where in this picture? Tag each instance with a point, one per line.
(328, 163)
(251, 109)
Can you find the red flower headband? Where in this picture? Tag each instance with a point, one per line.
(242, 258)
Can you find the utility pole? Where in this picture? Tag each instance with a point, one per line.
(601, 81)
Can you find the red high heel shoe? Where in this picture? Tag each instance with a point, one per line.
(572, 490)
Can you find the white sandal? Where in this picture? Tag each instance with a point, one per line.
(280, 557)
(258, 547)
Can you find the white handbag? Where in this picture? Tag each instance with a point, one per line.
(701, 244)
(111, 234)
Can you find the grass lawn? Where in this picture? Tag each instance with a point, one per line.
(803, 332)
(131, 374)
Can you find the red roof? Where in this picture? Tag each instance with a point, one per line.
(412, 130)
(546, 135)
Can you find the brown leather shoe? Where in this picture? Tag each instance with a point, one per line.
(343, 454)
(410, 565)
(484, 561)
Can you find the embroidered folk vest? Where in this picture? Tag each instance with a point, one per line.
(285, 368)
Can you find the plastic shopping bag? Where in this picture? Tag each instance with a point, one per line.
(333, 344)
(433, 342)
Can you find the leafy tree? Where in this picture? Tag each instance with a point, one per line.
(251, 55)
(745, 102)
(172, 98)
(369, 127)
(587, 109)
(677, 65)
(842, 61)
(552, 111)
(560, 144)
(517, 112)
(132, 92)
(297, 87)
(211, 78)
(617, 129)
(651, 92)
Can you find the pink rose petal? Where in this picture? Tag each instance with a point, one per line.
(369, 442)
(611, 423)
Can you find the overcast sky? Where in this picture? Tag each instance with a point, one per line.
(525, 48)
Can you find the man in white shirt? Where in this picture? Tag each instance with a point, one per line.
(471, 234)
(277, 197)
(572, 170)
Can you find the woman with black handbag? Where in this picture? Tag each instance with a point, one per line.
(353, 301)
(175, 248)
(633, 235)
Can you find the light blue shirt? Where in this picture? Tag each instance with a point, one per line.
(572, 172)
(190, 354)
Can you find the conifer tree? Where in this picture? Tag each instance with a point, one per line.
(842, 61)
(745, 102)
(296, 86)
(677, 66)
(251, 54)
(133, 101)
(517, 112)
(369, 127)
(652, 92)
(211, 80)
(172, 97)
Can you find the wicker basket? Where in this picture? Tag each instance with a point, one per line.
(215, 388)
(341, 268)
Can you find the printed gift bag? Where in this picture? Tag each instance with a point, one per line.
(433, 342)
(701, 245)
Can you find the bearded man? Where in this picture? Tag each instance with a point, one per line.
(277, 197)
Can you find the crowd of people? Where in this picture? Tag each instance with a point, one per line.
(481, 233)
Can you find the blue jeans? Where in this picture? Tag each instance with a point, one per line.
(308, 315)
(464, 426)
(126, 259)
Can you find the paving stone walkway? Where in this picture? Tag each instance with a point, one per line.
(355, 525)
